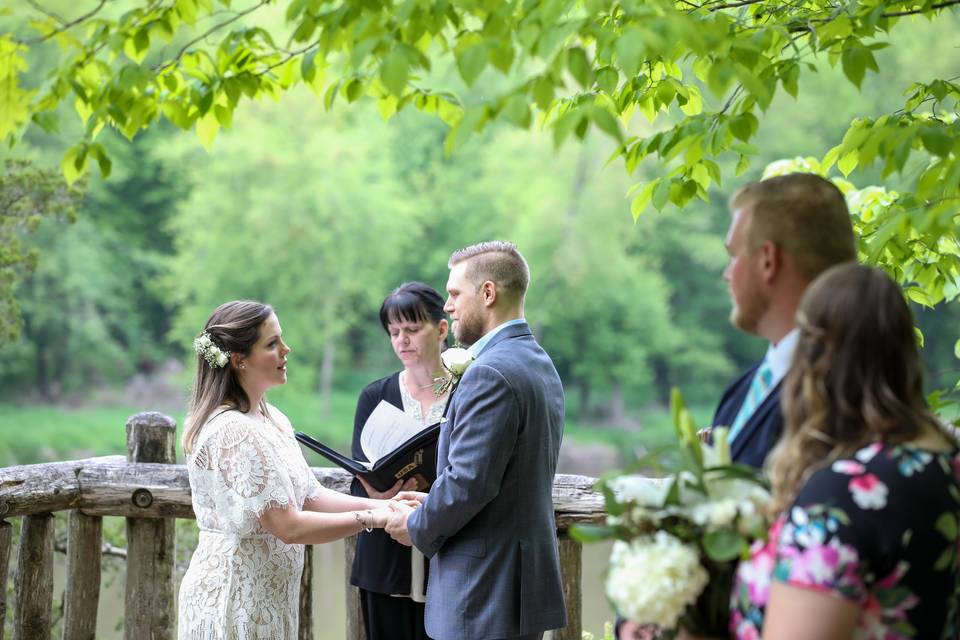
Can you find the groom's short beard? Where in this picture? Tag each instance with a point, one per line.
(467, 333)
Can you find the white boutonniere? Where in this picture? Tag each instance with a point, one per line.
(456, 361)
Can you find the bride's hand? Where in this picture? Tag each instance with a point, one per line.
(409, 485)
(377, 518)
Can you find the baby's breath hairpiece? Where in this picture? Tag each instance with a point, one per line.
(204, 346)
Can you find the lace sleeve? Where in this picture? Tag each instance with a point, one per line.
(250, 475)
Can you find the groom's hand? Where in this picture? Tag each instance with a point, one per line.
(397, 524)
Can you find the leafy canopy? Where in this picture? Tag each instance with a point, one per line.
(700, 72)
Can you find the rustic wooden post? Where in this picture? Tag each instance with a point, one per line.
(306, 595)
(571, 562)
(355, 628)
(150, 596)
(82, 591)
(34, 592)
(6, 539)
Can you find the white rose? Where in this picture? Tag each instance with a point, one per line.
(221, 359)
(205, 341)
(648, 492)
(456, 360)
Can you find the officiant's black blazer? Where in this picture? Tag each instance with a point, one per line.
(380, 565)
(762, 430)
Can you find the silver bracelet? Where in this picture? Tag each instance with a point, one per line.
(363, 525)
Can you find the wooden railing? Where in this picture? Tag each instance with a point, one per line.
(150, 491)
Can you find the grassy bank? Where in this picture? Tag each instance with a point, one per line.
(34, 433)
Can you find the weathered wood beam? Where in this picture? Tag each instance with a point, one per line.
(571, 566)
(42, 488)
(150, 595)
(82, 590)
(6, 540)
(306, 595)
(34, 594)
(110, 487)
(354, 615)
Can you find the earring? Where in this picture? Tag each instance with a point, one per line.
(243, 366)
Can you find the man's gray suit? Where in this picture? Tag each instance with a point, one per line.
(487, 524)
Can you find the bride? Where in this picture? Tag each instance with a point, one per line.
(256, 501)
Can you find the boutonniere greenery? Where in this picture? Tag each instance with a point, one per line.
(456, 360)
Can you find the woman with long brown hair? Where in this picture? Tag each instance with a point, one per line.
(256, 501)
(865, 481)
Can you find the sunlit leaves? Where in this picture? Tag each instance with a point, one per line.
(14, 99)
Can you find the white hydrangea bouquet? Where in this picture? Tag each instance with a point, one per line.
(678, 536)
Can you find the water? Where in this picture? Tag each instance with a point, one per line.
(329, 582)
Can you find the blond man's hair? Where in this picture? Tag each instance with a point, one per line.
(803, 214)
(497, 261)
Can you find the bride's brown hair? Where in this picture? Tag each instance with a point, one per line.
(856, 376)
(233, 327)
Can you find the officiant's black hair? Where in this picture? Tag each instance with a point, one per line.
(411, 302)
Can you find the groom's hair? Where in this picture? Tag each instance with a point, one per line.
(803, 214)
(497, 261)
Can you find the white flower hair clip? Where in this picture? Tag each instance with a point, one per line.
(204, 346)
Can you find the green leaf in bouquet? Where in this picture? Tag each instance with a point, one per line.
(722, 545)
(586, 533)
(738, 471)
(613, 506)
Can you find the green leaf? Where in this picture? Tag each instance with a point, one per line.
(587, 533)
(848, 162)
(743, 126)
(517, 110)
(580, 67)
(394, 72)
(543, 92)
(854, 61)
(956, 349)
(723, 545)
(74, 162)
(936, 141)
(103, 161)
(661, 194)
(471, 62)
(606, 122)
(207, 128)
(639, 204)
(607, 79)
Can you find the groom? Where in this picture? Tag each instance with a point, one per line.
(487, 524)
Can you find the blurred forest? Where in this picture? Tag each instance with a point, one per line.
(322, 212)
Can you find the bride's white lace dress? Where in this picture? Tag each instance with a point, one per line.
(243, 583)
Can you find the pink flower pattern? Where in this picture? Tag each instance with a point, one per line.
(824, 543)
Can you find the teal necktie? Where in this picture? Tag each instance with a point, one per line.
(762, 381)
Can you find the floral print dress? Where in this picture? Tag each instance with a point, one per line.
(879, 529)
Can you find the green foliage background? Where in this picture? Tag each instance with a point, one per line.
(320, 207)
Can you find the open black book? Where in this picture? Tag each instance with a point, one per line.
(415, 456)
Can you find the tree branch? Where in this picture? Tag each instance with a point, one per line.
(912, 12)
(209, 32)
(63, 25)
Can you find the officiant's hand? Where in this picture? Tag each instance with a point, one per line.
(411, 496)
(397, 524)
(409, 485)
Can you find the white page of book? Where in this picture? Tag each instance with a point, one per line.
(385, 430)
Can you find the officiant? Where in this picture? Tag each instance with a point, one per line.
(390, 576)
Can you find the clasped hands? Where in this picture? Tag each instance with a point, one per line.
(401, 506)
(401, 500)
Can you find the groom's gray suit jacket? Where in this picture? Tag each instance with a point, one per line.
(487, 524)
